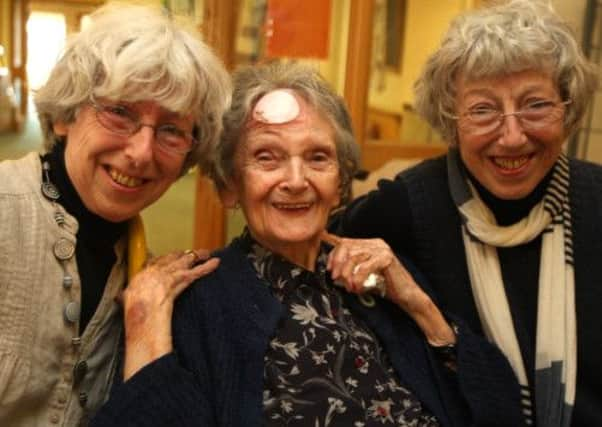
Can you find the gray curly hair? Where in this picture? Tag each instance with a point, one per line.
(509, 37)
(251, 83)
(132, 52)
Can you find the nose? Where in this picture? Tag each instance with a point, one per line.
(513, 134)
(295, 179)
(139, 148)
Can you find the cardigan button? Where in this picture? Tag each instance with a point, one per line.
(71, 312)
(50, 191)
(63, 249)
(83, 399)
(59, 218)
(67, 281)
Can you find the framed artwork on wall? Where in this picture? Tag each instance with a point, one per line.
(395, 28)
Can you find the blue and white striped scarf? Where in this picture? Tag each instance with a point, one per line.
(556, 345)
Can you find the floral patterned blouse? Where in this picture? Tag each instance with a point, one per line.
(324, 366)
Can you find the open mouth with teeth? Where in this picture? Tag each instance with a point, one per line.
(292, 206)
(125, 180)
(510, 163)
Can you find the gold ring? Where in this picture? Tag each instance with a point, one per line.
(191, 252)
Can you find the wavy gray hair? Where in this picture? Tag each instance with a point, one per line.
(132, 53)
(510, 37)
(251, 83)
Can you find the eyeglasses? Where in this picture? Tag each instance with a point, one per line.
(122, 121)
(536, 115)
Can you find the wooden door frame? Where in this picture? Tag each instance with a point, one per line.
(19, 12)
(357, 69)
(219, 30)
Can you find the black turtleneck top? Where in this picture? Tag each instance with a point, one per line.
(96, 237)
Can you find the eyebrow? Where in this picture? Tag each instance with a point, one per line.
(269, 138)
(165, 113)
(526, 90)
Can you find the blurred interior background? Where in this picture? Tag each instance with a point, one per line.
(370, 51)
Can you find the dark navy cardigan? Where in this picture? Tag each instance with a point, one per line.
(222, 327)
(415, 214)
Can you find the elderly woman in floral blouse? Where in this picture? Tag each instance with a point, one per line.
(298, 327)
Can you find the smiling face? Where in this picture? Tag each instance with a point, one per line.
(511, 160)
(117, 176)
(287, 182)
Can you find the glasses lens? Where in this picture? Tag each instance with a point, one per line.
(116, 119)
(174, 139)
(483, 117)
(480, 121)
(537, 116)
(534, 116)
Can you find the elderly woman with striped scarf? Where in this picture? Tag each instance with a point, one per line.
(505, 226)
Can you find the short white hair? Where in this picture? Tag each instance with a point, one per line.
(513, 36)
(132, 52)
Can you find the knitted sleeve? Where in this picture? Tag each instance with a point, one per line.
(162, 393)
(485, 379)
(382, 213)
(482, 390)
(173, 390)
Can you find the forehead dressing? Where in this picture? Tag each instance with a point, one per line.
(280, 107)
(276, 107)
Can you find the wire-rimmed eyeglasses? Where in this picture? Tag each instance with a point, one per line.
(536, 115)
(120, 120)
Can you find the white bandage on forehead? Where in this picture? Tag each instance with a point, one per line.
(276, 107)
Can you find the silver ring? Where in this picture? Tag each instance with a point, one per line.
(375, 283)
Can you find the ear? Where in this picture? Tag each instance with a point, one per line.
(60, 128)
(229, 196)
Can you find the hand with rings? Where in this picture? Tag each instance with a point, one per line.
(148, 303)
(369, 265)
(357, 262)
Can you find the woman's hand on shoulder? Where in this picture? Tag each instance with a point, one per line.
(148, 303)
